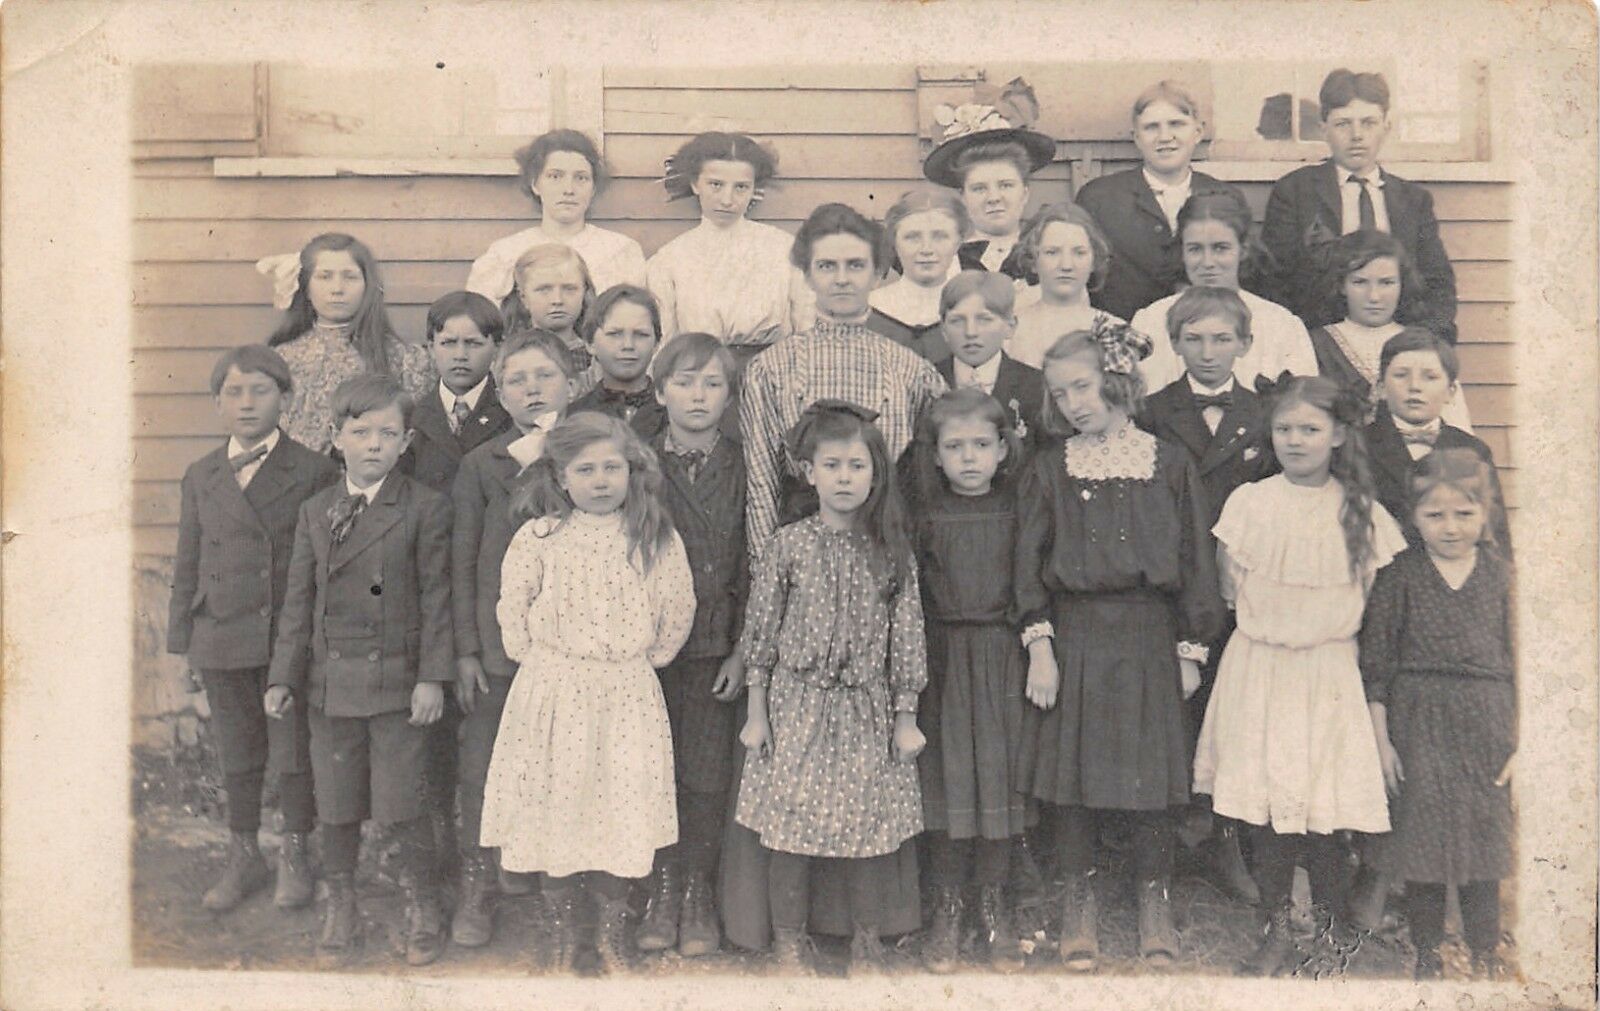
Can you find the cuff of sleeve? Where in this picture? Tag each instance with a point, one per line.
(905, 702)
(1036, 631)
(757, 677)
(1194, 651)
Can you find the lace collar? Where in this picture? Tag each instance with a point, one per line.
(1128, 453)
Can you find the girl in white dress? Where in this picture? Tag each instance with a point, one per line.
(1287, 743)
(562, 172)
(595, 594)
(1067, 251)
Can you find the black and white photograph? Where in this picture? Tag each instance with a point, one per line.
(684, 509)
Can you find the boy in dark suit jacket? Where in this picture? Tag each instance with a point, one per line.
(977, 309)
(365, 638)
(534, 373)
(235, 533)
(1222, 425)
(1311, 207)
(464, 329)
(1418, 374)
(621, 330)
(703, 489)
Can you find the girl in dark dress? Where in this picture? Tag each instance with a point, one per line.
(1112, 571)
(1436, 657)
(964, 529)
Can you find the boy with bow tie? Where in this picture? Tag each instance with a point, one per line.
(534, 375)
(235, 533)
(622, 330)
(366, 640)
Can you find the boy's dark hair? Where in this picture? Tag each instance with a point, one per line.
(1416, 338)
(838, 219)
(1342, 87)
(483, 313)
(543, 341)
(1202, 301)
(364, 393)
(531, 158)
(693, 351)
(595, 315)
(252, 358)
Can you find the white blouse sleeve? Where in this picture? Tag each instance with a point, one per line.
(658, 278)
(490, 276)
(521, 574)
(672, 594)
(1294, 347)
(631, 265)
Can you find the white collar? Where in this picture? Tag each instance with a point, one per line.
(471, 396)
(1433, 427)
(1373, 175)
(371, 492)
(1157, 186)
(986, 374)
(271, 442)
(1199, 390)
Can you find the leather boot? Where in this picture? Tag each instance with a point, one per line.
(1005, 951)
(294, 872)
(442, 823)
(1368, 893)
(1430, 965)
(424, 921)
(866, 953)
(658, 931)
(338, 939)
(1278, 952)
(942, 947)
(1079, 946)
(473, 924)
(245, 874)
(611, 936)
(1228, 864)
(1158, 938)
(563, 920)
(698, 930)
(792, 952)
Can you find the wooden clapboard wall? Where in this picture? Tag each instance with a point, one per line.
(844, 134)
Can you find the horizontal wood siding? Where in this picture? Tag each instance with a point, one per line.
(841, 133)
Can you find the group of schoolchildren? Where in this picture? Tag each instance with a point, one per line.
(1279, 605)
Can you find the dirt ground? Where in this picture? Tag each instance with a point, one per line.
(180, 845)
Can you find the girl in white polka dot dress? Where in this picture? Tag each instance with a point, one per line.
(595, 593)
(835, 659)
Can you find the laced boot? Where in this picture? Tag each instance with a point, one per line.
(698, 932)
(611, 936)
(866, 953)
(561, 904)
(1005, 950)
(473, 923)
(1158, 938)
(294, 872)
(942, 946)
(1079, 946)
(245, 874)
(1228, 864)
(658, 931)
(792, 952)
(1277, 951)
(1430, 965)
(424, 922)
(1490, 966)
(337, 942)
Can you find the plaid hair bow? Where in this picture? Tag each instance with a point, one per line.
(1122, 347)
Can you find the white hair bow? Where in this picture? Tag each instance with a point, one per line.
(284, 269)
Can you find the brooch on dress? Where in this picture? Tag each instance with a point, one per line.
(1016, 412)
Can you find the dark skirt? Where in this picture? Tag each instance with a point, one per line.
(1450, 822)
(742, 886)
(972, 714)
(704, 731)
(1115, 737)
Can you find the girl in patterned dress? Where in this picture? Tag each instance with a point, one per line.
(835, 659)
(1436, 656)
(963, 494)
(1117, 595)
(1287, 744)
(595, 594)
(335, 327)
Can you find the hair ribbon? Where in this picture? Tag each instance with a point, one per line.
(284, 269)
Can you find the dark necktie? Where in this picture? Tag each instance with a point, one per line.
(626, 403)
(1367, 215)
(240, 461)
(342, 516)
(1219, 400)
(458, 415)
(693, 460)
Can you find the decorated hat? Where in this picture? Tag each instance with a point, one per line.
(1000, 115)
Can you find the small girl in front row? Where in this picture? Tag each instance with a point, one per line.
(1436, 656)
(1287, 744)
(964, 530)
(834, 660)
(595, 593)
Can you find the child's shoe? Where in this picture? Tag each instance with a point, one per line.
(792, 952)
(561, 905)
(698, 933)
(1277, 951)
(1490, 967)
(294, 887)
(1158, 938)
(942, 944)
(245, 874)
(338, 939)
(473, 923)
(1430, 965)
(1228, 863)
(424, 923)
(1005, 950)
(1368, 894)
(611, 936)
(866, 954)
(658, 931)
(1079, 946)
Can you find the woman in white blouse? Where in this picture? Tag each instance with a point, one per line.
(1214, 232)
(728, 276)
(561, 171)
